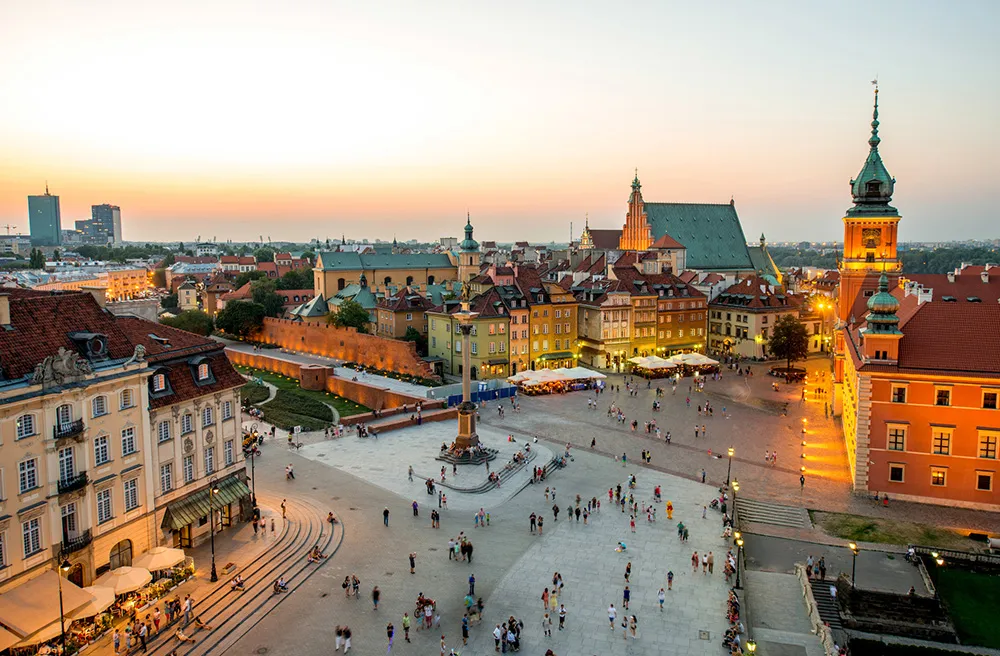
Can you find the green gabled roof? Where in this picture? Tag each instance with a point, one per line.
(362, 295)
(316, 307)
(711, 232)
(762, 262)
(355, 261)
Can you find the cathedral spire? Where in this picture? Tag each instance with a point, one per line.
(872, 189)
(635, 181)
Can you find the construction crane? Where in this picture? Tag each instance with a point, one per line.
(9, 227)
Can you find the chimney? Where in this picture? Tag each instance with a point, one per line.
(951, 276)
(4, 310)
(984, 275)
(99, 294)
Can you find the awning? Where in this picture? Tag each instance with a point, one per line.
(28, 608)
(558, 355)
(104, 598)
(124, 579)
(195, 506)
(44, 634)
(496, 361)
(6, 638)
(159, 558)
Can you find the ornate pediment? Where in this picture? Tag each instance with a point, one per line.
(63, 367)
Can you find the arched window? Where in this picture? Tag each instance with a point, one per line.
(387, 281)
(341, 283)
(409, 280)
(99, 406)
(473, 373)
(126, 399)
(121, 554)
(430, 280)
(64, 416)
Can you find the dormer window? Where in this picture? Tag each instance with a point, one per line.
(203, 371)
(873, 188)
(159, 383)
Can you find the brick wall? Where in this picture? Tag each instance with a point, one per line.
(345, 344)
(367, 395)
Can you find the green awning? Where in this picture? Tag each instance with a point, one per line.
(559, 355)
(195, 506)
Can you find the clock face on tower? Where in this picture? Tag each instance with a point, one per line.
(871, 237)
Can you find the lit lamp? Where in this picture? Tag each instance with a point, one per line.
(751, 647)
(804, 421)
(854, 560)
(213, 489)
(739, 552)
(729, 469)
(64, 566)
(937, 558)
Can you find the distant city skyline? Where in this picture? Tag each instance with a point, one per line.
(313, 119)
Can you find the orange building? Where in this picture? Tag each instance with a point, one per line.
(918, 362)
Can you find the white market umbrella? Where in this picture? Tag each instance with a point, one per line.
(44, 634)
(159, 558)
(103, 600)
(124, 579)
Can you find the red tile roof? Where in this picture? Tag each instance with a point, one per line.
(756, 293)
(607, 240)
(240, 294)
(406, 303)
(666, 241)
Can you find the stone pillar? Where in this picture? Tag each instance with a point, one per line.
(467, 409)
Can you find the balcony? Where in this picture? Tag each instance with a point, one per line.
(76, 543)
(73, 483)
(72, 429)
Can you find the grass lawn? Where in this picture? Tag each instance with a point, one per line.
(345, 407)
(888, 531)
(972, 600)
(253, 393)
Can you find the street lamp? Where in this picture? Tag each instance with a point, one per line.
(213, 489)
(64, 566)
(937, 558)
(854, 560)
(739, 553)
(729, 469)
(736, 488)
(751, 647)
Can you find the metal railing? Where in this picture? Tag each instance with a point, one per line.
(77, 543)
(72, 483)
(72, 429)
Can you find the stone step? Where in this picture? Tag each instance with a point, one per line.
(762, 512)
(825, 604)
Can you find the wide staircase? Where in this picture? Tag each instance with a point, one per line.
(477, 457)
(826, 604)
(504, 474)
(750, 511)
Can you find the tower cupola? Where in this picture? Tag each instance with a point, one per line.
(872, 188)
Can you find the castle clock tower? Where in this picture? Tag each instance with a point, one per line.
(637, 235)
(870, 229)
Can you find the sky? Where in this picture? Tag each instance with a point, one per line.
(296, 119)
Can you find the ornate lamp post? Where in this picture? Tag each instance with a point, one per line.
(213, 489)
(467, 436)
(736, 489)
(64, 566)
(729, 469)
(751, 647)
(739, 554)
(854, 560)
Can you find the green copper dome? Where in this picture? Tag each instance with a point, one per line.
(882, 308)
(468, 244)
(872, 189)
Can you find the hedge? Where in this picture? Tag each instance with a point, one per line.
(287, 420)
(295, 402)
(254, 393)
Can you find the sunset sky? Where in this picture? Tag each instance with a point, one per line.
(301, 119)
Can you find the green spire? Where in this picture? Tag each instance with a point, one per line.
(468, 244)
(635, 181)
(882, 308)
(872, 189)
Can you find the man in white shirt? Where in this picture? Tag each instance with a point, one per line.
(612, 614)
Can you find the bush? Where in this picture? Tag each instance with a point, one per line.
(192, 321)
(295, 402)
(254, 393)
(288, 420)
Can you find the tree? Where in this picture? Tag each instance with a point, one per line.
(193, 321)
(248, 276)
(350, 314)
(413, 335)
(296, 279)
(169, 302)
(159, 278)
(240, 318)
(169, 260)
(263, 293)
(309, 255)
(36, 260)
(264, 254)
(55, 255)
(789, 339)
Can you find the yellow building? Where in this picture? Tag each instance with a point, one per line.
(86, 471)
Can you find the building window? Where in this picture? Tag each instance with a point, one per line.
(27, 471)
(67, 468)
(939, 476)
(493, 347)
(25, 426)
(434, 342)
(941, 442)
(227, 410)
(503, 347)
(121, 555)
(159, 383)
(131, 494)
(228, 452)
(207, 417)
(990, 400)
(99, 406)
(126, 400)
(984, 482)
(210, 460)
(104, 506)
(128, 441)
(898, 394)
(187, 424)
(31, 532)
(545, 345)
(166, 477)
(3, 553)
(475, 348)
(897, 439)
(943, 397)
(203, 371)
(409, 316)
(566, 314)
(988, 445)
(896, 473)
(188, 466)
(102, 453)
(458, 346)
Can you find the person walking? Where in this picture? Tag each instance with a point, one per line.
(406, 627)
(410, 473)
(711, 562)
(612, 614)
(188, 604)
(628, 571)
(802, 482)
(143, 632)
(416, 507)
(472, 585)
(670, 580)
(497, 635)
(117, 639)
(545, 599)
(626, 597)
(385, 516)
(555, 512)
(376, 594)
(347, 639)
(413, 561)
(661, 597)
(283, 508)
(547, 625)
(465, 629)
(390, 632)
(562, 616)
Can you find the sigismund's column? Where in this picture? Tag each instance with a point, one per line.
(467, 436)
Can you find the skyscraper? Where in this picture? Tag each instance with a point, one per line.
(107, 220)
(44, 220)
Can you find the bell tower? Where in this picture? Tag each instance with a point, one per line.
(468, 254)
(870, 229)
